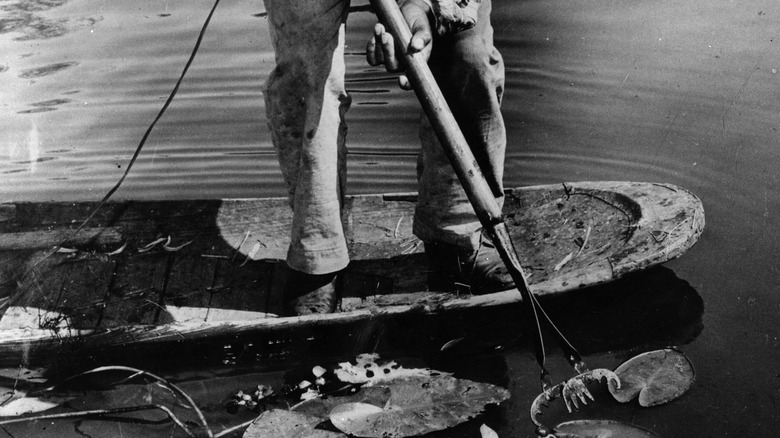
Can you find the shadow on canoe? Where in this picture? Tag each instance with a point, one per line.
(160, 281)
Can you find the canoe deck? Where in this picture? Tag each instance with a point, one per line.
(153, 271)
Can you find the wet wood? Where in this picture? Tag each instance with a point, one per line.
(227, 279)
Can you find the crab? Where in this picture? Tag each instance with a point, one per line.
(570, 390)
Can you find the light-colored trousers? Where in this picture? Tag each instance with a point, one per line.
(306, 104)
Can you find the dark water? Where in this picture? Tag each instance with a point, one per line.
(682, 92)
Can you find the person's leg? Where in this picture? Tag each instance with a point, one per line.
(470, 72)
(305, 104)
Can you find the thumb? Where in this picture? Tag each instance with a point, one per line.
(419, 23)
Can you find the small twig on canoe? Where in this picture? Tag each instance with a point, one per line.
(397, 226)
(251, 254)
(412, 249)
(170, 248)
(102, 413)
(584, 242)
(118, 251)
(149, 246)
(155, 304)
(599, 249)
(665, 234)
(240, 244)
(385, 229)
(565, 260)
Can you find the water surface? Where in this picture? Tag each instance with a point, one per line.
(681, 92)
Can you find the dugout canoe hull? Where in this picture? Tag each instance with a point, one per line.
(157, 272)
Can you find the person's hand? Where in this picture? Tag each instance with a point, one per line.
(381, 47)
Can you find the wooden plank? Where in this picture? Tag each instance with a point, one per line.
(48, 239)
(75, 287)
(134, 298)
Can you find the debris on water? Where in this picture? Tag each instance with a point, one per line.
(21, 403)
(282, 423)
(146, 401)
(250, 399)
(412, 402)
(452, 343)
(23, 374)
(409, 402)
(600, 429)
(657, 377)
(417, 405)
(487, 432)
(318, 371)
(368, 371)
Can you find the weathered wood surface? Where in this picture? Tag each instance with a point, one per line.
(215, 269)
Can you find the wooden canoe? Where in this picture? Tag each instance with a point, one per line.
(156, 272)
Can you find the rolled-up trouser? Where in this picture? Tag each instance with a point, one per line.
(306, 102)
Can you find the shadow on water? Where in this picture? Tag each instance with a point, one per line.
(641, 311)
(645, 310)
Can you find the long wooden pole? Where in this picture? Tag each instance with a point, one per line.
(466, 168)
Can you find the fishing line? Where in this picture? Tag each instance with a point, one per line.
(154, 122)
(59, 246)
(143, 139)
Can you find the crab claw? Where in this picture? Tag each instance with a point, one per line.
(601, 373)
(544, 399)
(576, 387)
(572, 390)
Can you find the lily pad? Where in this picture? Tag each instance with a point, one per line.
(280, 423)
(417, 406)
(657, 377)
(368, 371)
(600, 429)
(486, 432)
(321, 407)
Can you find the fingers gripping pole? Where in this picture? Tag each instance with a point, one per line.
(457, 149)
(466, 168)
(435, 106)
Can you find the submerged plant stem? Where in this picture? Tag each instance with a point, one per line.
(137, 372)
(101, 413)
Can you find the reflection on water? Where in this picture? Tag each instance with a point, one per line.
(668, 91)
(24, 19)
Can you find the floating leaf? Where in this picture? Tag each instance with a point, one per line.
(418, 405)
(600, 429)
(318, 371)
(321, 407)
(19, 404)
(349, 416)
(657, 376)
(279, 423)
(487, 432)
(368, 371)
